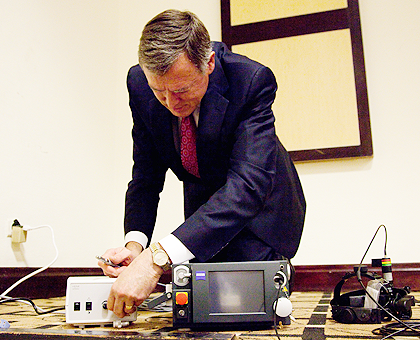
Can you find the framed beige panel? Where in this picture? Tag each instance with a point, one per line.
(316, 53)
(249, 11)
(308, 69)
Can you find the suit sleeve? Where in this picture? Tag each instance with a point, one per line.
(148, 173)
(250, 176)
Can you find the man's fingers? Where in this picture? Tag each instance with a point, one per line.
(129, 308)
(134, 284)
(110, 303)
(110, 271)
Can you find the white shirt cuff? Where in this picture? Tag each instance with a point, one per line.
(175, 249)
(136, 236)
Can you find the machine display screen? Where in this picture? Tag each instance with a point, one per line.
(236, 292)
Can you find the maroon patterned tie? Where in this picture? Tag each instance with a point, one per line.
(188, 149)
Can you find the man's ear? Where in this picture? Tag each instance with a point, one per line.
(211, 63)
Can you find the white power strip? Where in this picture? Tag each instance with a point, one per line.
(86, 298)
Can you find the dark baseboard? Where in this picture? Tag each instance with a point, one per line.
(52, 282)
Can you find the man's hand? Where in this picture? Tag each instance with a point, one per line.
(122, 256)
(134, 284)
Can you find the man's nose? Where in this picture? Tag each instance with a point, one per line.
(171, 99)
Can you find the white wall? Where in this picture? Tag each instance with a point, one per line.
(65, 144)
(348, 200)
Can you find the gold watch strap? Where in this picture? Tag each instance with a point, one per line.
(156, 246)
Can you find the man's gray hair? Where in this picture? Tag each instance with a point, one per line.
(168, 35)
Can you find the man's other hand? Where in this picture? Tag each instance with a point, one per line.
(121, 256)
(134, 284)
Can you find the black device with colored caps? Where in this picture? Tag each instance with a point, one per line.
(231, 295)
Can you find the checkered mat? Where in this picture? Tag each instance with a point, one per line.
(311, 313)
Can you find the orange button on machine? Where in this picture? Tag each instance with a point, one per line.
(181, 298)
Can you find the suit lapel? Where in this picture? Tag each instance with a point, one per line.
(161, 127)
(213, 106)
(212, 114)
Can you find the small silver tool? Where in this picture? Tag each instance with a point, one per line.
(107, 261)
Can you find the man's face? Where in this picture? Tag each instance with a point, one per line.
(181, 89)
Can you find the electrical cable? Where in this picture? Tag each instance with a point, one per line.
(281, 287)
(373, 238)
(274, 313)
(38, 310)
(396, 328)
(4, 298)
(285, 291)
(27, 228)
(406, 325)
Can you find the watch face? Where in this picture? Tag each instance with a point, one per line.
(160, 258)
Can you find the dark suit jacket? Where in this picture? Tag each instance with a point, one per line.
(248, 183)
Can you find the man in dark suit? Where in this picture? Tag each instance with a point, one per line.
(242, 197)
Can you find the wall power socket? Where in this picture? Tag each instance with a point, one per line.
(16, 231)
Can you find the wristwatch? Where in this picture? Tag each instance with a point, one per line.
(160, 257)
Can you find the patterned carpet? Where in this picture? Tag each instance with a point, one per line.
(311, 313)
